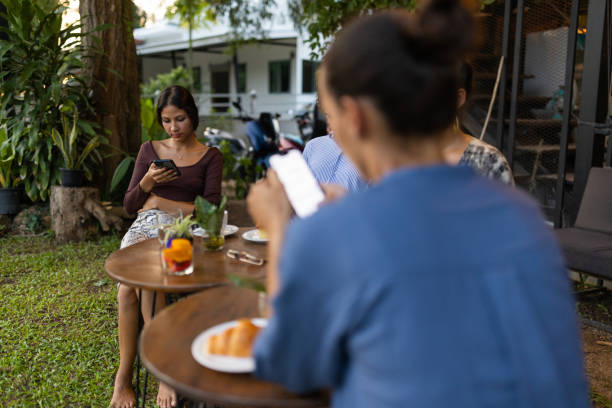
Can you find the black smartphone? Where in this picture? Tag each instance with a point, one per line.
(167, 163)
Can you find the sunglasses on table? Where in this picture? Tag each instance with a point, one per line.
(244, 256)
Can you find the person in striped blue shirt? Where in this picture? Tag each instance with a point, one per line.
(330, 166)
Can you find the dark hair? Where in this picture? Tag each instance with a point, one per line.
(180, 97)
(466, 73)
(405, 63)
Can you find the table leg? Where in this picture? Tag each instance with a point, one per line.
(137, 354)
(146, 376)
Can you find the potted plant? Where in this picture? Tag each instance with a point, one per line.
(210, 218)
(42, 75)
(177, 246)
(9, 194)
(73, 173)
(180, 228)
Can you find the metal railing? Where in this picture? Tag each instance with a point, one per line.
(252, 104)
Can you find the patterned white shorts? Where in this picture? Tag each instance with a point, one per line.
(145, 226)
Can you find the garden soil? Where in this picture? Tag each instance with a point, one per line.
(598, 362)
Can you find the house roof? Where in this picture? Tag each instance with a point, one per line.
(168, 36)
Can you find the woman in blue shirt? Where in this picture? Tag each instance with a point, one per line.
(435, 287)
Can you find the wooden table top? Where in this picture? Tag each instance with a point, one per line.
(165, 349)
(140, 265)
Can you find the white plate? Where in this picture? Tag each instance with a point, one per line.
(228, 230)
(253, 236)
(199, 351)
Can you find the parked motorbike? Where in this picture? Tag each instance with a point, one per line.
(265, 136)
(238, 147)
(304, 121)
(311, 122)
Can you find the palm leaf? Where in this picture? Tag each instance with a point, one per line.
(120, 172)
(72, 141)
(93, 143)
(59, 142)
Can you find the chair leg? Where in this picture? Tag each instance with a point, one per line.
(598, 288)
(140, 322)
(146, 376)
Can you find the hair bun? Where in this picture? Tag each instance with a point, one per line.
(447, 30)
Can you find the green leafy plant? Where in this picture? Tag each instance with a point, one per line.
(248, 283)
(151, 129)
(178, 76)
(208, 215)
(8, 174)
(192, 14)
(321, 19)
(41, 77)
(180, 228)
(125, 167)
(68, 143)
(242, 171)
(33, 222)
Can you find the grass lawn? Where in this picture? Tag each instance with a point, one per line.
(58, 326)
(58, 323)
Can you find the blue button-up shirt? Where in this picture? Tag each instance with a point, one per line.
(435, 288)
(330, 165)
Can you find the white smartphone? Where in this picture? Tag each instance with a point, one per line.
(302, 189)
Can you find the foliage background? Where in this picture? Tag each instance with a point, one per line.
(321, 19)
(41, 78)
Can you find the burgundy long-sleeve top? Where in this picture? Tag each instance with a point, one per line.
(202, 178)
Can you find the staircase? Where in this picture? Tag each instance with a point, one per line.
(536, 147)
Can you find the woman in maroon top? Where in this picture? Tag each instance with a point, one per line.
(156, 194)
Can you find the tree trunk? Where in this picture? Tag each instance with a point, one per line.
(113, 76)
(69, 219)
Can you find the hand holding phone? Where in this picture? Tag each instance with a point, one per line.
(168, 164)
(302, 189)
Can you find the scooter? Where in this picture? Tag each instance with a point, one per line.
(311, 122)
(265, 136)
(215, 137)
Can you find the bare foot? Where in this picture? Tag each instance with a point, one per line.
(166, 397)
(123, 395)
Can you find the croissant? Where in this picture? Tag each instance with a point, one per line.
(235, 341)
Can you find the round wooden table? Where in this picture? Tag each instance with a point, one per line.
(140, 265)
(165, 348)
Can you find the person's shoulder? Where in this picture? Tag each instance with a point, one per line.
(476, 143)
(320, 142)
(488, 160)
(213, 152)
(211, 155)
(146, 151)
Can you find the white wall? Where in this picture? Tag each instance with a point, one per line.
(256, 57)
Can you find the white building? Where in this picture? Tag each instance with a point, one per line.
(275, 75)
